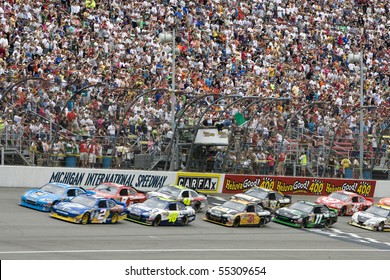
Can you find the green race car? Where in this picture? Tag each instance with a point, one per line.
(305, 214)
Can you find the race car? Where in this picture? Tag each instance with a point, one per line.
(305, 214)
(45, 197)
(157, 211)
(90, 209)
(345, 203)
(384, 201)
(235, 213)
(179, 193)
(268, 199)
(374, 218)
(121, 193)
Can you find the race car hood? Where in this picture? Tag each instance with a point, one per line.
(246, 197)
(363, 217)
(103, 194)
(329, 200)
(220, 210)
(139, 209)
(286, 212)
(71, 207)
(160, 194)
(37, 195)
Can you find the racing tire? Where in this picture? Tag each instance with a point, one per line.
(327, 223)
(380, 226)
(236, 222)
(343, 210)
(54, 203)
(85, 218)
(196, 207)
(261, 222)
(304, 223)
(184, 220)
(156, 221)
(114, 218)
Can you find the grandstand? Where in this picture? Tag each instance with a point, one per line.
(97, 70)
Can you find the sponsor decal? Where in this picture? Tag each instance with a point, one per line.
(199, 181)
(93, 179)
(293, 185)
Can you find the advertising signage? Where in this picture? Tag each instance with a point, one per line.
(297, 185)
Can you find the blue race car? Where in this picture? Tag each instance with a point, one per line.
(90, 209)
(48, 195)
(159, 211)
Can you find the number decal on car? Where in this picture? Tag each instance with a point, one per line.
(318, 218)
(187, 201)
(100, 214)
(172, 217)
(272, 203)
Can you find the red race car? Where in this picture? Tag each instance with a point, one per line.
(346, 203)
(384, 201)
(121, 193)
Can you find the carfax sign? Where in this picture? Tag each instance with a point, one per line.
(202, 182)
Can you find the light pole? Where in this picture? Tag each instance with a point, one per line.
(165, 38)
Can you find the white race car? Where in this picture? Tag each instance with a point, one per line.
(159, 211)
(374, 218)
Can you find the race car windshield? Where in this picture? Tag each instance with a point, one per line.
(378, 211)
(340, 196)
(107, 189)
(234, 205)
(84, 200)
(51, 188)
(155, 203)
(302, 207)
(257, 193)
(170, 190)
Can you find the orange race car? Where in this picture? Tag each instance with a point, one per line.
(346, 203)
(121, 193)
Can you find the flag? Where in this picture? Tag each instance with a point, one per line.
(240, 120)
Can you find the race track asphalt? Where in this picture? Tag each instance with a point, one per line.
(27, 234)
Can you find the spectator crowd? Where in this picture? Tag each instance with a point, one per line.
(109, 51)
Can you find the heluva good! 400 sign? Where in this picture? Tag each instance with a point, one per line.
(297, 185)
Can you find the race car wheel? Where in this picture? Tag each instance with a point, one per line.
(114, 218)
(184, 220)
(156, 221)
(85, 218)
(236, 222)
(328, 223)
(261, 222)
(380, 227)
(54, 203)
(196, 207)
(304, 223)
(343, 211)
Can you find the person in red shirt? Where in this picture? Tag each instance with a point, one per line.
(281, 166)
(270, 163)
(83, 148)
(93, 152)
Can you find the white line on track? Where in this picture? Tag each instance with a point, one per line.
(195, 250)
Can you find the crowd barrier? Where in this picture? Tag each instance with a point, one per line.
(209, 183)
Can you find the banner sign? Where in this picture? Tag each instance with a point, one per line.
(141, 180)
(212, 136)
(202, 182)
(297, 185)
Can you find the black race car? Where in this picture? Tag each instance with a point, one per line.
(268, 199)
